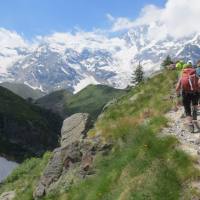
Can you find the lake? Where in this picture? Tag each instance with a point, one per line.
(6, 167)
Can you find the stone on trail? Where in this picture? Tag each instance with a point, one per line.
(8, 195)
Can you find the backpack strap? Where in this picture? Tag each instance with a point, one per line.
(190, 82)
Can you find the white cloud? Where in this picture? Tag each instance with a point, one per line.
(182, 17)
(178, 18)
(11, 39)
(120, 23)
(80, 40)
(9, 42)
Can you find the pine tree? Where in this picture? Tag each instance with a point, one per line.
(138, 75)
(167, 61)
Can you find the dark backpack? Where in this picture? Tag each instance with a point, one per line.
(198, 71)
(189, 80)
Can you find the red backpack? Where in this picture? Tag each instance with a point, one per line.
(189, 80)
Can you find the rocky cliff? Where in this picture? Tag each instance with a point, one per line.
(73, 159)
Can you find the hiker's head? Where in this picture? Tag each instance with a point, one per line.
(178, 66)
(198, 63)
(190, 62)
(187, 65)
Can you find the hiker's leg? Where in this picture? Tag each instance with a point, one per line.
(194, 112)
(187, 106)
(186, 99)
(195, 100)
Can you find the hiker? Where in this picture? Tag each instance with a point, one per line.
(188, 86)
(179, 64)
(198, 69)
(190, 62)
(198, 74)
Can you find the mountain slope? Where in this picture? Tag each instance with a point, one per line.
(25, 129)
(55, 101)
(90, 100)
(23, 90)
(141, 165)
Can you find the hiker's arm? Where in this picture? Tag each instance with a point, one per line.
(178, 86)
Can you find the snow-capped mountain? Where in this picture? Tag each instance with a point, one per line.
(74, 61)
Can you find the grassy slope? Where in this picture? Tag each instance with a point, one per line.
(92, 99)
(141, 165)
(25, 177)
(55, 101)
(22, 90)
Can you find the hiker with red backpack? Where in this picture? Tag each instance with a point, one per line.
(189, 86)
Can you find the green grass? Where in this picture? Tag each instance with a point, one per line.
(141, 165)
(25, 176)
(92, 99)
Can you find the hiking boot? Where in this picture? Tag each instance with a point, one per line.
(191, 128)
(196, 125)
(183, 116)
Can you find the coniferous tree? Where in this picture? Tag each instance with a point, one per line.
(167, 61)
(138, 75)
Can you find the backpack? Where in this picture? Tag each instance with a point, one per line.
(189, 80)
(198, 71)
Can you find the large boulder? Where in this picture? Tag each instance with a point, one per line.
(74, 128)
(73, 131)
(73, 160)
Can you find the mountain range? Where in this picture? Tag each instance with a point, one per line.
(74, 61)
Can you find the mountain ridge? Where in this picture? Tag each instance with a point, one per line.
(91, 100)
(23, 90)
(60, 63)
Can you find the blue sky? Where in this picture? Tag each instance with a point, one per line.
(41, 17)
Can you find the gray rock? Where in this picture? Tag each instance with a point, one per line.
(7, 195)
(74, 128)
(73, 131)
(71, 154)
(110, 103)
(51, 173)
(74, 159)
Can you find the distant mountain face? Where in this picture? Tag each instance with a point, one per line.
(58, 62)
(25, 129)
(23, 90)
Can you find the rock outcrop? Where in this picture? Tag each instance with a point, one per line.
(74, 128)
(73, 159)
(7, 195)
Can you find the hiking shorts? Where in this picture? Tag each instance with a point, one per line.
(188, 100)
